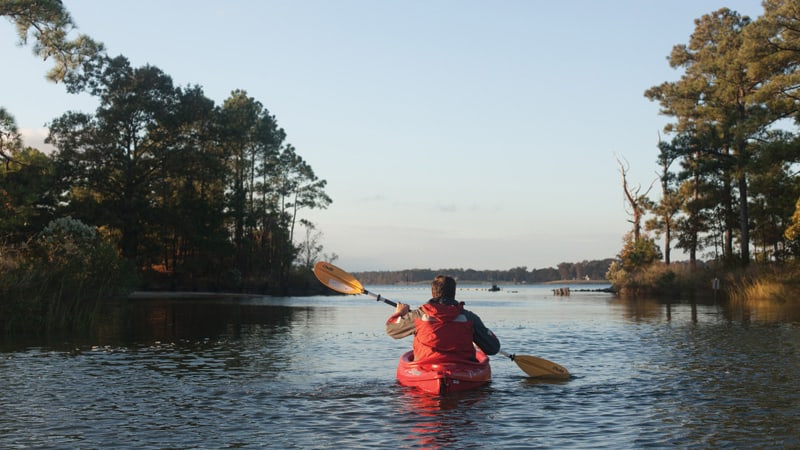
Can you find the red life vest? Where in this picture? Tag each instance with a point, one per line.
(443, 333)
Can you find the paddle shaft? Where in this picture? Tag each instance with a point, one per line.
(507, 355)
(380, 298)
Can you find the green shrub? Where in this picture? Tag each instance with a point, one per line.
(62, 280)
(639, 253)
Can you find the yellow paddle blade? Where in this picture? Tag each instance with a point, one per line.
(337, 279)
(539, 367)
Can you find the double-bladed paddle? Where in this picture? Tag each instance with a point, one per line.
(341, 281)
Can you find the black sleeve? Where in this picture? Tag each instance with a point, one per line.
(482, 336)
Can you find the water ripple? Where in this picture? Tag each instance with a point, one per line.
(321, 376)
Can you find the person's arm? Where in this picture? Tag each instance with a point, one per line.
(482, 336)
(401, 323)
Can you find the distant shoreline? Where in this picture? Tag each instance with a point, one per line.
(190, 295)
(504, 283)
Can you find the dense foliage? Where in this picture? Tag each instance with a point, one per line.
(729, 173)
(729, 180)
(61, 279)
(196, 195)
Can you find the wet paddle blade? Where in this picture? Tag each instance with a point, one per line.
(337, 279)
(540, 367)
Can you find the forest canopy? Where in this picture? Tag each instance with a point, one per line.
(203, 195)
(728, 173)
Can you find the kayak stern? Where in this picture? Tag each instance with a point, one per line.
(443, 377)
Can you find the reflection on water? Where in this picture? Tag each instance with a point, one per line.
(174, 320)
(440, 421)
(762, 311)
(319, 373)
(765, 311)
(637, 309)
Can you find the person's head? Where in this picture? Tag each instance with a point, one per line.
(443, 287)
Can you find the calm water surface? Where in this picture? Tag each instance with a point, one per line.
(318, 372)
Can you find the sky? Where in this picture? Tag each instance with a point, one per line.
(451, 133)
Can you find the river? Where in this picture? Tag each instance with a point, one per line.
(318, 372)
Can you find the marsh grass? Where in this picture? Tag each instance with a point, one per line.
(765, 283)
(677, 280)
(756, 283)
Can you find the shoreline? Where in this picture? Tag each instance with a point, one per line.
(192, 295)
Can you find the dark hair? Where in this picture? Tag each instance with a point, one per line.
(443, 287)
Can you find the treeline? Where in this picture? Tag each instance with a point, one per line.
(198, 195)
(591, 270)
(728, 174)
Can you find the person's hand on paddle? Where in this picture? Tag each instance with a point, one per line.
(401, 309)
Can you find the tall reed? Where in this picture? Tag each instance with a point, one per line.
(765, 283)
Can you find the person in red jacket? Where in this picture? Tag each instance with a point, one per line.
(443, 330)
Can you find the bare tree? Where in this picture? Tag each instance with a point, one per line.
(636, 203)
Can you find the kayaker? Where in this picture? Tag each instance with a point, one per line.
(443, 330)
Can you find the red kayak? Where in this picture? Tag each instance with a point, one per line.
(444, 377)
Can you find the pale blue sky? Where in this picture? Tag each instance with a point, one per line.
(452, 134)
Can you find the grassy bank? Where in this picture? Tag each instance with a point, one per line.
(758, 282)
(765, 283)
